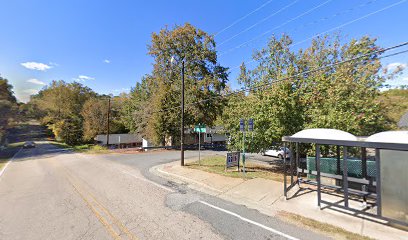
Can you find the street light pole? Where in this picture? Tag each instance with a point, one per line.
(182, 114)
(108, 130)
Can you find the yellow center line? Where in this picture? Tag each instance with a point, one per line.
(92, 206)
(104, 222)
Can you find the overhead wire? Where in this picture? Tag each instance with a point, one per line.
(257, 23)
(242, 18)
(335, 28)
(298, 74)
(260, 36)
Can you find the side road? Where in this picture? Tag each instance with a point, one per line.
(266, 196)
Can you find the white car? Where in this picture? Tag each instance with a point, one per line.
(276, 152)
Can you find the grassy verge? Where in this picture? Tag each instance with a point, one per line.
(9, 152)
(216, 164)
(85, 148)
(319, 227)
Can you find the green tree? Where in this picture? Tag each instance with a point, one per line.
(153, 106)
(95, 117)
(8, 107)
(288, 94)
(62, 104)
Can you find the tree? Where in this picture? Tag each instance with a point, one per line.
(62, 104)
(153, 106)
(95, 115)
(289, 94)
(8, 107)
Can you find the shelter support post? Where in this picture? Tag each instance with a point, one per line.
(297, 162)
(378, 180)
(345, 176)
(364, 171)
(319, 194)
(364, 162)
(285, 192)
(291, 159)
(338, 160)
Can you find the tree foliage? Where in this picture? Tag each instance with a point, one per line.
(62, 105)
(291, 91)
(95, 117)
(8, 107)
(152, 108)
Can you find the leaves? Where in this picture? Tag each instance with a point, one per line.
(290, 95)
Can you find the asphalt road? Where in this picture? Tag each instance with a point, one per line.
(48, 193)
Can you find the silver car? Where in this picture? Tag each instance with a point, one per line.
(29, 144)
(278, 152)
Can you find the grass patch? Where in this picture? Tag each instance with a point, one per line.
(2, 163)
(9, 152)
(84, 148)
(324, 228)
(15, 145)
(216, 164)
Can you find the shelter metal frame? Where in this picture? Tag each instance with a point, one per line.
(294, 166)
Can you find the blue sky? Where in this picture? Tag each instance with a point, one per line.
(103, 44)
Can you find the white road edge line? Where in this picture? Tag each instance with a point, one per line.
(146, 180)
(249, 221)
(188, 180)
(5, 166)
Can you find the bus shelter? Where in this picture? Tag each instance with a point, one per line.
(371, 170)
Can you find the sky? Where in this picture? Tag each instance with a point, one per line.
(103, 44)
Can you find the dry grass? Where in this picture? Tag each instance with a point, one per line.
(319, 227)
(216, 164)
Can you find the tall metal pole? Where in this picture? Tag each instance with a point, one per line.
(199, 147)
(182, 115)
(107, 135)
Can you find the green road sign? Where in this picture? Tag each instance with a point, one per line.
(200, 128)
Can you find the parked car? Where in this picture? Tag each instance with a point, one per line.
(278, 152)
(29, 144)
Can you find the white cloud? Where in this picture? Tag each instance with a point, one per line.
(121, 90)
(36, 66)
(396, 66)
(106, 61)
(83, 78)
(36, 81)
(31, 91)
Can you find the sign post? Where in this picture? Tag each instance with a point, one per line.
(242, 129)
(199, 129)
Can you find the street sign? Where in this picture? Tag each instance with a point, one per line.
(200, 128)
(251, 125)
(242, 125)
(232, 159)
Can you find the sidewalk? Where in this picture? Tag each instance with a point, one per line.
(266, 196)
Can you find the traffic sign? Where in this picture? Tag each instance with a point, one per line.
(242, 125)
(200, 128)
(251, 125)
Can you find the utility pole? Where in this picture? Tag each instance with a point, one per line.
(182, 114)
(107, 135)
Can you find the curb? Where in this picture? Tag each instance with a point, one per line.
(185, 179)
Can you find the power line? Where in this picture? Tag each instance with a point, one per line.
(246, 43)
(256, 24)
(299, 74)
(242, 18)
(352, 21)
(337, 27)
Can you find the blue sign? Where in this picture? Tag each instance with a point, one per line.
(251, 125)
(232, 159)
(242, 125)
